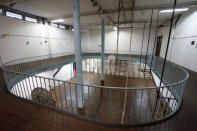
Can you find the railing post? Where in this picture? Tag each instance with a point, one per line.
(102, 52)
(78, 57)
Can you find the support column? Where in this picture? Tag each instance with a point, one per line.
(78, 57)
(102, 51)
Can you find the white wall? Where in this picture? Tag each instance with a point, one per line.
(94, 40)
(180, 50)
(15, 46)
(64, 74)
(61, 41)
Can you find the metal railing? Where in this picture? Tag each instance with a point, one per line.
(103, 104)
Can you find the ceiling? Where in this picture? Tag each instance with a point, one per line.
(55, 9)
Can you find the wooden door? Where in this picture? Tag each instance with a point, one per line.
(158, 47)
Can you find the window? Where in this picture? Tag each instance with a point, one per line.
(1, 11)
(31, 19)
(14, 15)
(61, 26)
(54, 25)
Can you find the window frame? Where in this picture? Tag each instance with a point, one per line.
(62, 27)
(54, 25)
(13, 15)
(31, 19)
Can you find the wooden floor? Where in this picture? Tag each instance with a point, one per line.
(108, 106)
(19, 115)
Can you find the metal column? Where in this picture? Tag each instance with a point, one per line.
(78, 57)
(102, 52)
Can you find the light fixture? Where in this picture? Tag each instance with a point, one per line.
(5, 35)
(176, 10)
(72, 29)
(115, 28)
(58, 20)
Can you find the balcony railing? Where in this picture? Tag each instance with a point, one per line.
(103, 104)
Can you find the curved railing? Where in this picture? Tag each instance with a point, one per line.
(103, 104)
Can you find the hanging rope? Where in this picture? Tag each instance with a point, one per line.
(150, 29)
(171, 23)
(118, 28)
(142, 46)
(125, 98)
(169, 36)
(155, 37)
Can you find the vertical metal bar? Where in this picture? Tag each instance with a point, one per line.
(95, 102)
(105, 70)
(110, 104)
(165, 103)
(93, 65)
(21, 90)
(41, 85)
(182, 92)
(102, 51)
(140, 103)
(24, 88)
(149, 90)
(29, 86)
(55, 93)
(33, 83)
(76, 95)
(16, 88)
(149, 105)
(119, 63)
(169, 101)
(97, 66)
(110, 61)
(89, 64)
(71, 98)
(133, 105)
(103, 99)
(177, 96)
(118, 105)
(14, 91)
(153, 108)
(159, 102)
(77, 45)
(65, 97)
(60, 94)
(88, 101)
(45, 86)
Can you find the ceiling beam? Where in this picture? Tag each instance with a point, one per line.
(109, 11)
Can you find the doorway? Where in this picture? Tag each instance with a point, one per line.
(158, 46)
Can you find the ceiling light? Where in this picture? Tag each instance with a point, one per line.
(58, 20)
(115, 28)
(72, 29)
(176, 10)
